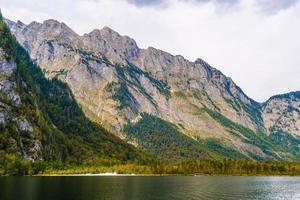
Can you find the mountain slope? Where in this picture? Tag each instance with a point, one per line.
(116, 82)
(40, 120)
(281, 113)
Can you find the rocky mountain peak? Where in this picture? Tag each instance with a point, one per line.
(9, 22)
(54, 28)
(114, 46)
(107, 31)
(287, 96)
(200, 61)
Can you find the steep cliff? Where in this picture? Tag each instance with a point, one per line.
(40, 119)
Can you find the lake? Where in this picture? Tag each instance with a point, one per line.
(146, 188)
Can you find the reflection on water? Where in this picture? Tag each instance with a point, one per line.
(146, 188)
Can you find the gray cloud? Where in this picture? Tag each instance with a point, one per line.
(264, 6)
(142, 3)
(145, 2)
(274, 6)
(217, 1)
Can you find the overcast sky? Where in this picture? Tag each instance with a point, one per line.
(255, 42)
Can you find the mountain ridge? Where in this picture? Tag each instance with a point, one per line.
(115, 82)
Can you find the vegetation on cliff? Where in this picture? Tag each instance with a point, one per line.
(58, 122)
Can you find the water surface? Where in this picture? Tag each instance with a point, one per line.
(146, 188)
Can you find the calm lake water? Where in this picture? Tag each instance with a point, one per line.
(144, 188)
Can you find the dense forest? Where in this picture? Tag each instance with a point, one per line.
(165, 140)
(14, 166)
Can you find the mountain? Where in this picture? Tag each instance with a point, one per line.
(162, 103)
(281, 113)
(40, 119)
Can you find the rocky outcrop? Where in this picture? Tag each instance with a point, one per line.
(28, 144)
(115, 82)
(281, 113)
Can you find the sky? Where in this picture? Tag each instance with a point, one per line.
(255, 42)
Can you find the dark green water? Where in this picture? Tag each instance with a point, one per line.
(144, 188)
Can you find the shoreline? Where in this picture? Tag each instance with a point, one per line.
(155, 175)
(89, 174)
(145, 175)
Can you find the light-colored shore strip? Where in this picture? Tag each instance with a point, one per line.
(89, 174)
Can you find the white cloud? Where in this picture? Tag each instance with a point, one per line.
(257, 48)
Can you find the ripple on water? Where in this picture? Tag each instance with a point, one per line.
(150, 188)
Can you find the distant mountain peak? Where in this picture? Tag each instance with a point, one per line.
(294, 94)
(108, 30)
(200, 61)
(51, 25)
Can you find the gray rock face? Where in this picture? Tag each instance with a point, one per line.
(100, 42)
(281, 113)
(24, 125)
(7, 86)
(26, 144)
(115, 81)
